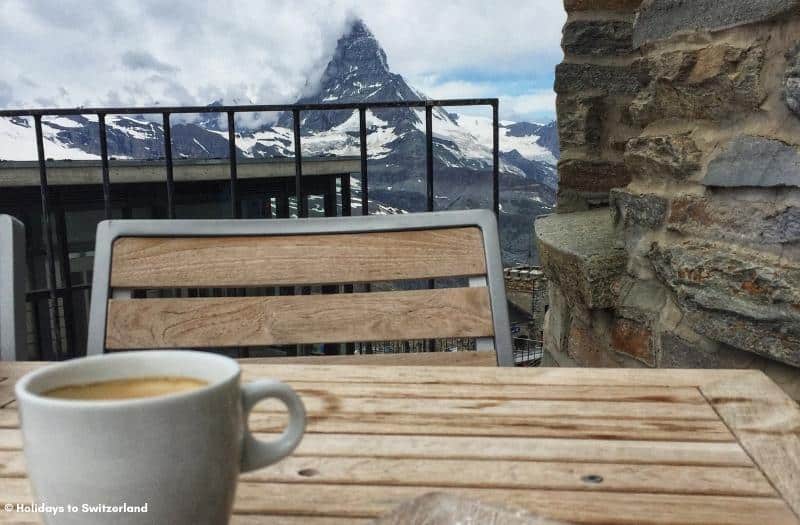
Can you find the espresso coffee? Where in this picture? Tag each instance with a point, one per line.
(127, 388)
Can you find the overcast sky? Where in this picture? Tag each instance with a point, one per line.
(141, 52)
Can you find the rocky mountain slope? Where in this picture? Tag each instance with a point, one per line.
(357, 72)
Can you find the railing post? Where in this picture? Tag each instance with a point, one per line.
(168, 158)
(430, 344)
(362, 134)
(495, 158)
(236, 210)
(101, 123)
(50, 263)
(298, 165)
(346, 195)
(429, 156)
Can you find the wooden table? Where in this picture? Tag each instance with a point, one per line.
(587, 445)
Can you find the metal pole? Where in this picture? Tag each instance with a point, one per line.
(362, 134)
(101, 122)
(429, 155)
(70, 349)
(236, 209)
(298, 165)
(346, 195)
(430, 343)
(168, 157)
(495, 159)
(50, 264)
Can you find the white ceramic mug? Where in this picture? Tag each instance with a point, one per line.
(169, 459)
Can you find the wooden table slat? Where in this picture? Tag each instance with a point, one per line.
(568, 450)
(672, 447)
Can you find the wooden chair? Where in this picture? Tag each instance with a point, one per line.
(170, 254)
(13, 344)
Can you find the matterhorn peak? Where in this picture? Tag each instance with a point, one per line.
(357, 72)
(358, 44)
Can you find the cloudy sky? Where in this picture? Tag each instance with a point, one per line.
(118, 52)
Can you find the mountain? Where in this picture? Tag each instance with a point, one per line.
(358, 71)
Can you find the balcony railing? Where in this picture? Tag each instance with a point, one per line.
(55, 337)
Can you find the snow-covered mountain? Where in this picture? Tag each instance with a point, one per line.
(357, 72)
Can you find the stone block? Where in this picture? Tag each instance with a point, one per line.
(570, 201)
(633, 339)
(580, 120)
(577, 78)
(735, 295)
(679, 353)
(643, 299)
(556, 321)
(637, 210)
(660, 19)
(597, 37)
(772, 221)
(598, 5)
(592, 176)
(664, 157)
(587, 349)
(755, 161)
(713, 83)
(786, 377)
(791, 81)
(580, 254)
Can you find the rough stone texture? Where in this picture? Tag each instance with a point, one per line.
(556, 322)
(755, 161)
(580, 255)
(637, 210)
(578, 78)
(787, 377)
(580, 120)
(612, 5)
(791, 81)
(737, 296)
(713, 83)
(642, 301)
(592, 176)
(586, 348)
(660, 19)
(633, 339)
(771, 221)
(597, 37)
(703, 273)
(679, 353)
(583, 347)
(666, 157)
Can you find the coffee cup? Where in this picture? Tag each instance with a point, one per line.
(145, 437)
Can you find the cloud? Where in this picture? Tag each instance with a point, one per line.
(264, 51)
(143, 60)
(519, 102)
(533, 105)
(5, 93)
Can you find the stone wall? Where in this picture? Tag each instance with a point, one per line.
(677, 237)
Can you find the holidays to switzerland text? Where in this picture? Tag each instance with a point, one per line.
(122, 508)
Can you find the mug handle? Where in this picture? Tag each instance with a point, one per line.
(257, 453)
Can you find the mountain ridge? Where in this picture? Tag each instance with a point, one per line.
(357, 72)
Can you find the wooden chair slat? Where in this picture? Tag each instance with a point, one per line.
(277, 320)
(241, 261)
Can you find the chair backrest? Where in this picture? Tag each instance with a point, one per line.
(13, 343)
(234, 254)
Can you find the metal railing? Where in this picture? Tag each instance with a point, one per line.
(64, 318)
(527, 352)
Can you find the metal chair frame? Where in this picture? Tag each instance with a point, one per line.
(13, 343)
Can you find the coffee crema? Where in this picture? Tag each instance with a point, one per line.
(129, 388)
